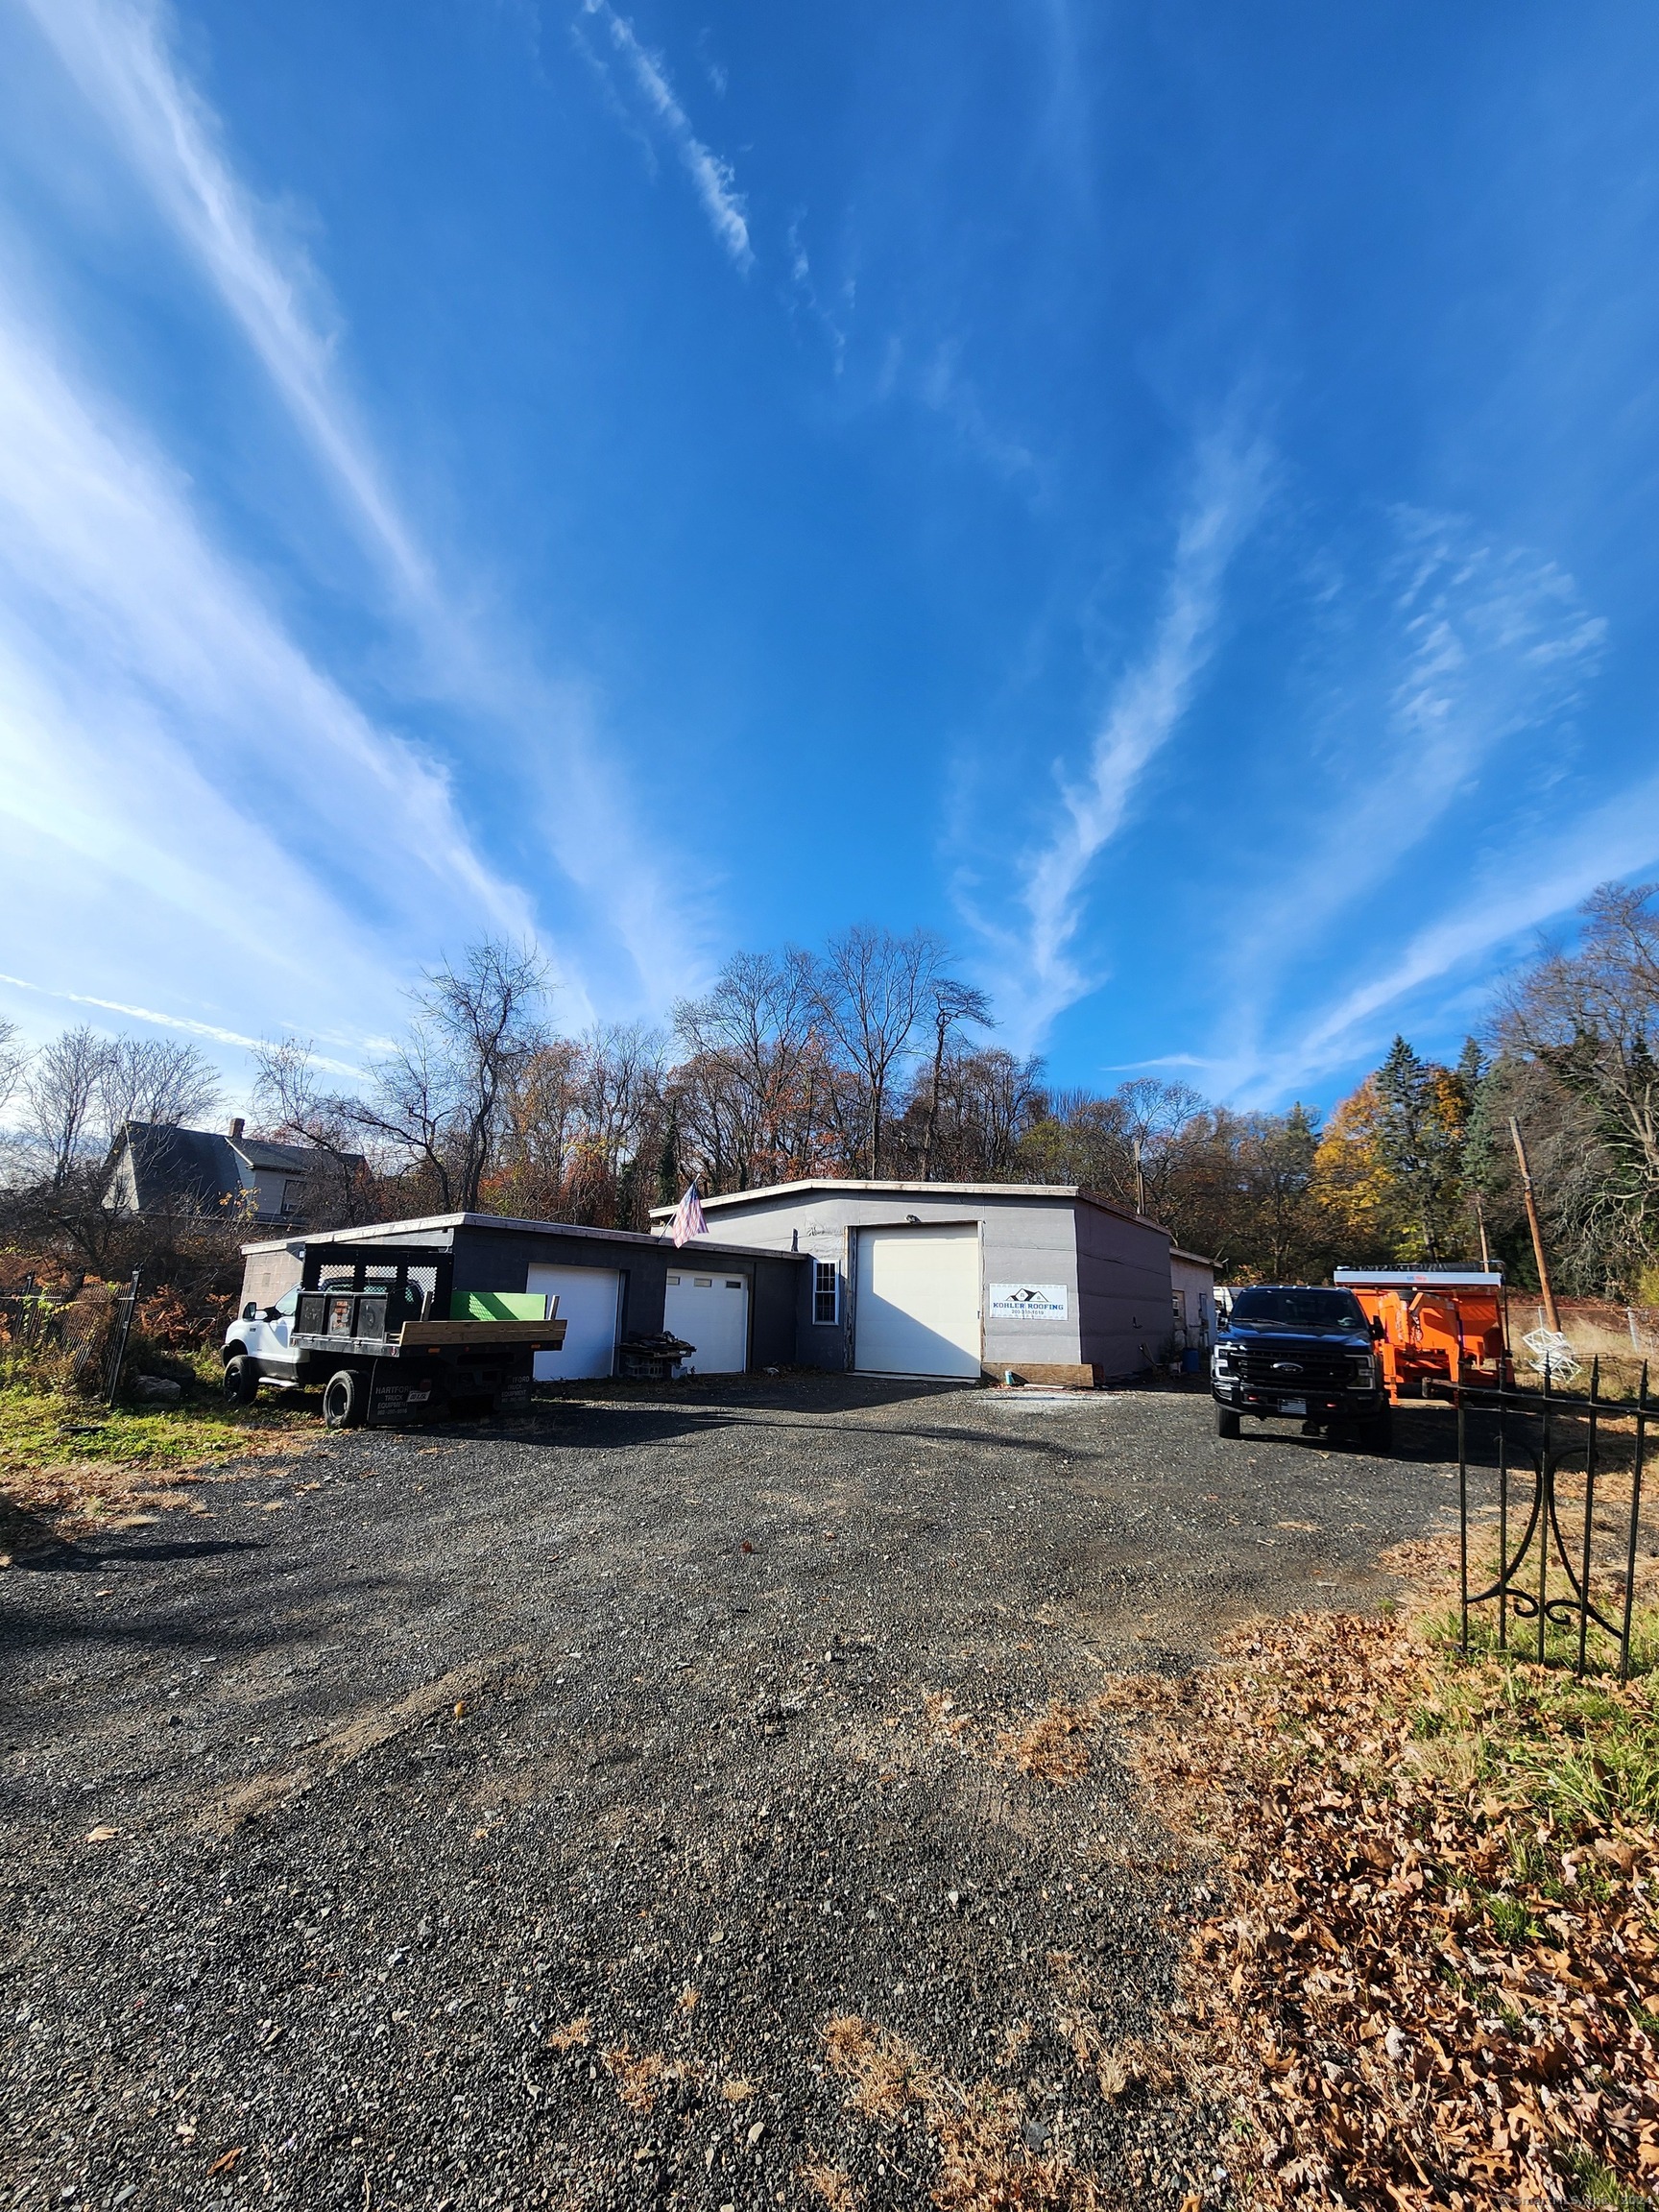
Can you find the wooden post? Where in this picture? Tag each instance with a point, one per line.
(1551, 1318)
(1139, 1181)
(1480, 1224)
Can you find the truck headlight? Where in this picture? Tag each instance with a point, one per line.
(1221, 1360)
(1363, 1371)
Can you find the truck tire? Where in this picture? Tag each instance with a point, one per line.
(241, 1379)
(1379, 1432)
(345, 1400)
(1226, 1421)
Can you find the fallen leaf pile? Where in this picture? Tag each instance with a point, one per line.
(1436, 1981)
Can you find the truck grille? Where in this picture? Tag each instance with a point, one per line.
(1315, 1371)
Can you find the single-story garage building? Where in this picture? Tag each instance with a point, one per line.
(958, 1279)
(1192, 1293)
(736, 1304)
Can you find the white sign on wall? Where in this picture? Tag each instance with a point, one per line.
(1028, 1302)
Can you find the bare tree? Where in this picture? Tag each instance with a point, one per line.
(151, 1079)
(61, 1094)
(438, 1098)
(871, 989)
(748, 1085)
(14, 1059)
(295, 1108)
(955, 1005)
(1590, 1020)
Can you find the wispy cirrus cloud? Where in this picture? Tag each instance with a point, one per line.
(713, 179)
(1486, 652)
(117, 53)
(168, 749)
(1539, 880)
(1144, 711)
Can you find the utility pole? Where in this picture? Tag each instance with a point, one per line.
(1480, 1224)
(1139, 1181)
(1552, 1319)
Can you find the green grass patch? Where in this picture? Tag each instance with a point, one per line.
(41, 1430)
(1584, 1753)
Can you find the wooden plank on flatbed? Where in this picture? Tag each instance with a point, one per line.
(457, 1336)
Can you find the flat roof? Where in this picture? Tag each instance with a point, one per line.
(1197, 1259)
(429, 1222)
(1075, 1191)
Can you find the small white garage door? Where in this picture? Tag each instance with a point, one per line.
(712, 1313)
(588, 1302)
(918, 1309)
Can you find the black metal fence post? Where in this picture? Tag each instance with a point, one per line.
(1589, 1508)
(1635, 1521)
(1525, 1586)
(124, 1332)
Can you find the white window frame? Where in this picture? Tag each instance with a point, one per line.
(822, 1269)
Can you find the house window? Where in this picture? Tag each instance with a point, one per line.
(292, 1193)
(826, 1292)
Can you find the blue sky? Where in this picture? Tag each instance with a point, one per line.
(1162, 494)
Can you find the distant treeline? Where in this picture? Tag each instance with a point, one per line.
(873, 1058)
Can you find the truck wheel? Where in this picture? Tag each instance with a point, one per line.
(342, 1400)
(241, 1380)
(1379, 1432)
(1226, 1421)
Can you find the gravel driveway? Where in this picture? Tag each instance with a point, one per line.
(502, 1816)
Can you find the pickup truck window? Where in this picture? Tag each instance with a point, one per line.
(1299, 1310)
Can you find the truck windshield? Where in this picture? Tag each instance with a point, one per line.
(1299, 1310)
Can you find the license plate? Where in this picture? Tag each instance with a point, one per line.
(1294, 1405)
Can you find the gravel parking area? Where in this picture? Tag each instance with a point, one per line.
(474, 1817)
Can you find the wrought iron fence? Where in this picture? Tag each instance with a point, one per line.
(1546, 1461)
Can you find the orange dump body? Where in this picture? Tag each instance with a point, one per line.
(1437, 1326)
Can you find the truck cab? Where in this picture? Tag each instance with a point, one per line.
(260, 1334)
(1299, 1351)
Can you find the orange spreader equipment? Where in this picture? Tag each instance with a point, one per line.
(1439, 1324)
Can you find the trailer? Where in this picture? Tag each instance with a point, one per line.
(1436, 1325)
(380, 1330)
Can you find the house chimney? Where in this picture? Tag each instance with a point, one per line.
(235, 1130)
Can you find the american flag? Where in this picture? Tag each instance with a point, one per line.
(689, 1221)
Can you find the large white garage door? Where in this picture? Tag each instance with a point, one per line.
(918, 1309)
(712, 1313)
(589, 1299)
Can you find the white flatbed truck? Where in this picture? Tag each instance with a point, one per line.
(372, 1327)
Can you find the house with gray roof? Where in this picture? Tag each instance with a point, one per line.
(156, 1168)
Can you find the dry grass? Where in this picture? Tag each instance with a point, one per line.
(638, 2075)
(574, 2035)
(829, 2185)
(737, 2091)
(1054, 1747)
(976, 2132)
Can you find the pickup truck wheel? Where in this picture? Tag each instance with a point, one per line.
(342, 1400)
(1226, 1421)
(241, 1380)
(1380, 1431)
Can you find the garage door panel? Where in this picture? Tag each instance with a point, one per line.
(590, 1303)
(918, 1309)
(711, 1312)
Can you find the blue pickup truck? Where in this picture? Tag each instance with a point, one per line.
(1299, 1351)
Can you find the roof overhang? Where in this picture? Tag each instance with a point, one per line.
(427, 1223)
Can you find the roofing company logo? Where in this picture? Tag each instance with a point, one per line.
(1029, 1302)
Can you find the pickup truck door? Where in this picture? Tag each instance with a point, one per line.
(267, 1338)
